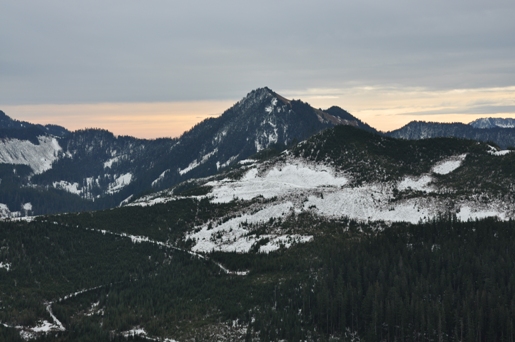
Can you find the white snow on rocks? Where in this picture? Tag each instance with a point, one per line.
(501, 153)
(67, 186)
(234, 236)
(76, 188)
(277, 181)
(295, 186)
(494, 152)
(135, 332)
(447, 166)
(286, 241)
(470, 212)
(38, 157)
(44, 326)
(109, 163)
(5, 265)
(119, 183)
(197, 163)
(160, 178)
(416, 183)
(140, 332)
(368, 203)
(125, 201)
(4, 211)
(227, 163)
(272, 105)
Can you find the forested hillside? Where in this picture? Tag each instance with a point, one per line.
(441, 280)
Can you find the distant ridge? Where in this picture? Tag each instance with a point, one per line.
(488, 129)
(493, 123)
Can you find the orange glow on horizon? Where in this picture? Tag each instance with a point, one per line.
(382, 108)
(141, 120)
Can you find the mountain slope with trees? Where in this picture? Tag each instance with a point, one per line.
(93, 169)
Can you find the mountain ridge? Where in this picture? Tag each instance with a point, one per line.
(502, 136)
(105, 170)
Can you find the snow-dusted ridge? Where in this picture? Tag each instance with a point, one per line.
(294, 185)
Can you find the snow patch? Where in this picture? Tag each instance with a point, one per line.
(134, 332)
(416, 184)
(470, 213)
(493, 151)
(4, 211)
(448, 165)
(125, 201)
(119, 183)
(160, 178)
(285, 241)
(234, 236)
(368, 203)
(197, 163)
(277, 181)
(6, 266)
(67, 186)
(109, 163)
(269, 109)
(227, 163)
(38, 157)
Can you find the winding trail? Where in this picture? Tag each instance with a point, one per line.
(140, 238)
(58, 326)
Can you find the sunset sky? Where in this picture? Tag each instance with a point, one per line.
(154, 69)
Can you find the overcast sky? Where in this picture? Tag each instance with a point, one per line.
(387, 62)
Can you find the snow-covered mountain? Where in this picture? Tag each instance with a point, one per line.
(93, 169)
(499, 131)
(493, 122)
(348, 173)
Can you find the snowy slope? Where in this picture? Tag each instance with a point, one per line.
(298, 186)
(39, 157)
(294, 184)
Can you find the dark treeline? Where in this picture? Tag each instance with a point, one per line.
(438, 281)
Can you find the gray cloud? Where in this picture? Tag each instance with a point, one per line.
(122, 51)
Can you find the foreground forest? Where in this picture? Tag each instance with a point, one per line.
(440, 280)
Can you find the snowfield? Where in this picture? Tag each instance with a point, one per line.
(276, 182)
(233, 236)
(296, 186)
(38, 157)
(449, 165)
